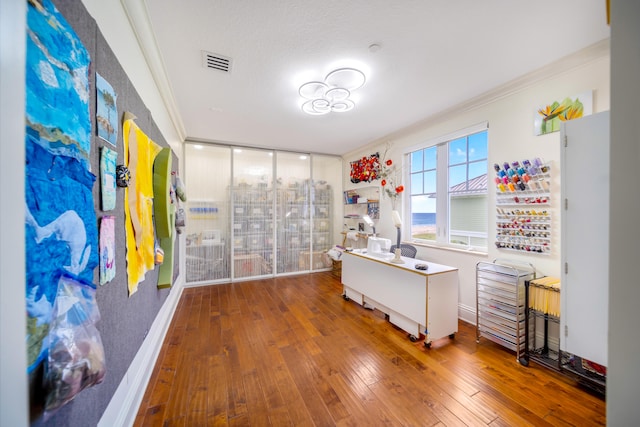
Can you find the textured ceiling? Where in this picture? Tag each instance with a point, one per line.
(433, 56)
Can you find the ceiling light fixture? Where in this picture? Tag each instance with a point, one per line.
(333, 93)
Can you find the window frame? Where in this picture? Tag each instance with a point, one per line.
(442, 188)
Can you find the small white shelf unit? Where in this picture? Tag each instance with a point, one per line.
(358, 203)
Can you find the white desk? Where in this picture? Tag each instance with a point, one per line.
(413, 300)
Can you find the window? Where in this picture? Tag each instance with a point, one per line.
(448, 189)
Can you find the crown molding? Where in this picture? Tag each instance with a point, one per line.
(566, 64)
(138, 16)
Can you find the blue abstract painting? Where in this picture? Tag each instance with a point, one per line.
(57, 91)
(106, 111)
(60, 221)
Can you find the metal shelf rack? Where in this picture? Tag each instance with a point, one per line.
(538, 348)
(500, 303)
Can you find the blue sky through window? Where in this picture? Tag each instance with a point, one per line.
(467, 155)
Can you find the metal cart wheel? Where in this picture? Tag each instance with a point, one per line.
(427, 344)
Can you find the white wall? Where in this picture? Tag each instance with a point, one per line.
(111, 17)
(623, 375)
(509, 111)
(13, 353)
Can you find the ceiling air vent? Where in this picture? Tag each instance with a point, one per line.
(216, 62)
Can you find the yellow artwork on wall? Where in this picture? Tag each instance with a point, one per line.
(548, 117)
(139, 154)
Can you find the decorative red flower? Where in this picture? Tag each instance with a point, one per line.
(390, 176)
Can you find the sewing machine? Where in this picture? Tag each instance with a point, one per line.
(379, 247)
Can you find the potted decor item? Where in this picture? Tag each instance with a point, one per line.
(391, 187)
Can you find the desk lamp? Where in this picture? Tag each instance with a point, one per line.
(370, 223)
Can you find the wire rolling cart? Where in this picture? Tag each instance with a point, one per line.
(537, 347)
(540, 346)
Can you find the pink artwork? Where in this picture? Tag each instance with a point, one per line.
(107, 249)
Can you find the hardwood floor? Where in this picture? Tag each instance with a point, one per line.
(291, 352)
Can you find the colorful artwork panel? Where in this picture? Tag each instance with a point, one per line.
(107, 249)
(57, 90)
(108, 160)
(61, 235)
(107, 111)
(140, 153)
(365, 169)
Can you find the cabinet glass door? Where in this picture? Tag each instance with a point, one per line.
(252, 213)
(293, 217)
(257, 213)
(207, 207)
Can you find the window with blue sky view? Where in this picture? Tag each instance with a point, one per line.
(448, 189)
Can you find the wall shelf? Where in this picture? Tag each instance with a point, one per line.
(362, 201)
(523, 222)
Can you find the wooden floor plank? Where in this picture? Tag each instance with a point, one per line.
(409, 411)
(217, 387)
(509, 412)
(256, 404)
(305, 377)
(292, 351)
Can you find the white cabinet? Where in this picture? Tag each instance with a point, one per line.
(414, 300)
(585, 237)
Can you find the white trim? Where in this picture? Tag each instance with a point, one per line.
(138, 16)
(125, 402)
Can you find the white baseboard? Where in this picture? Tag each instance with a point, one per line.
(124, 405)
(467, 313)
